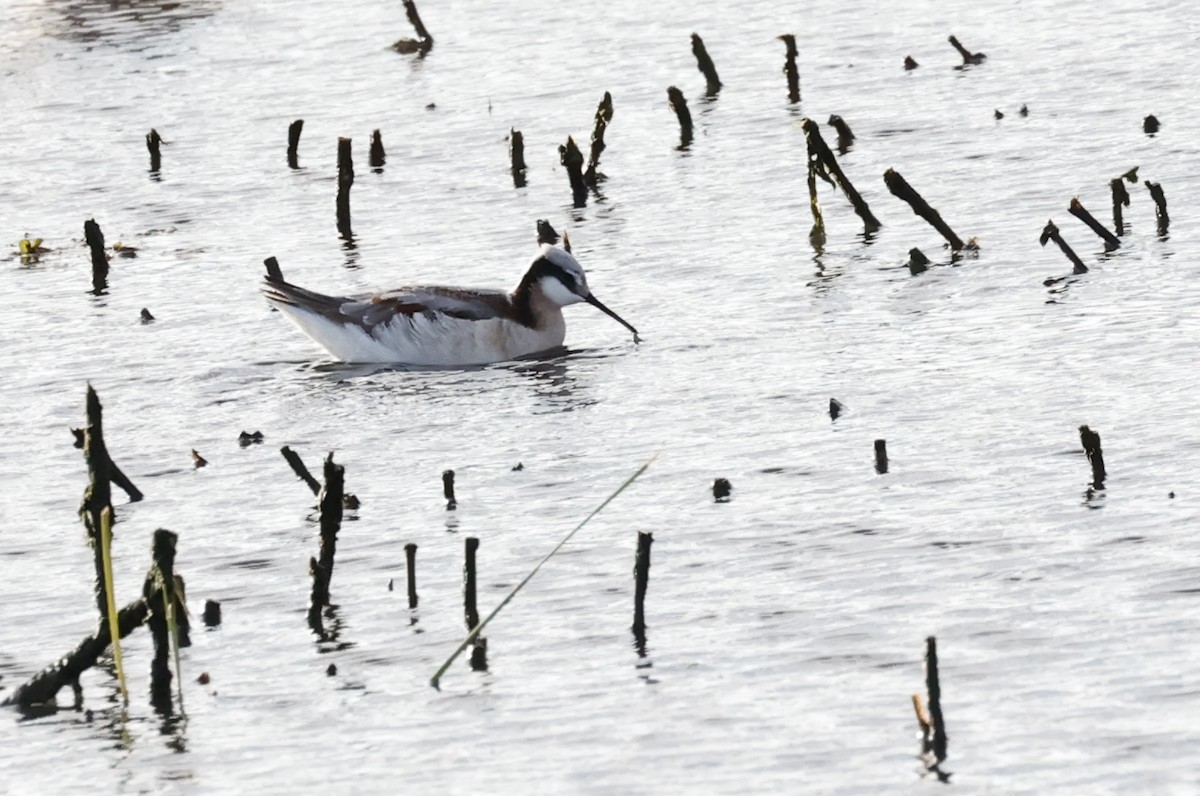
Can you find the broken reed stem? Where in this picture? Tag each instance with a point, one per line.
(153, 142)
(157, 592)
(470, 607)
(345, 162)
(938, 740)
(706, 66)
(901, 189)
(604, 114)
(816, 235)
(410, 10)
(110, 600)
(41, 689)
(293, 458)
(641, 579)
(820, 150)
(294, 130)
(570, 157)
(448, 490)
(95, 242)
(721, 490)
(790, 69)
(836, 408)
(435, 681)
(516, 154)
(376, 157)
(410, 562)
(1050, 232)
(679, 105)
(969, 58)
(881, 457)
(1160, 206)
(1120, 197)
(1079, 211)
(1091, 446)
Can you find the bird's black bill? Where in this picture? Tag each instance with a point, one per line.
(595, 302)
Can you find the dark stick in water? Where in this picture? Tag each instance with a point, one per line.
(1091, 446)
(901, 189)
(1160, 206)
(516, 154)
(424, 43)
(721, 490)
(376, 157)
(1150, 125)
(157, 591)
(679, 105)
(836, 408)
(470, 606)
(410, 560)
(331, 507)
(345, 163)
(881, 457)
(969, 58)
(938, 740)
(909, 63)
(641, 579)
(1050, 232)
(790, 69)
(918, 263)
(448, 490)
(1120, 198)
(570, 157)
(299, 469)
(604, 114)
(705, 64)
(845, 137)
(152, 143)
(95, 242)
(546, 233)
(826, 160)
(294, 130)
(1079, 211)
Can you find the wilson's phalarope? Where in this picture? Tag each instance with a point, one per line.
(444, 325)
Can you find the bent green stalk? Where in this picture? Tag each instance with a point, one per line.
(479, 628)
(110, 599)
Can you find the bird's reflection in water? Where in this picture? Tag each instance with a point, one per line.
(553, 384)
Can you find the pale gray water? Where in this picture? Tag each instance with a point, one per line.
(786, 627)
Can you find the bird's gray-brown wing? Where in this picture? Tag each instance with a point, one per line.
(379, 309)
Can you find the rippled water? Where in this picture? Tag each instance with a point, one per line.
(785, 627)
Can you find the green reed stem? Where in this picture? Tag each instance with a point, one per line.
(114, 630)
(479, 628)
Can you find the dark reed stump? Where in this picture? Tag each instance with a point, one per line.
(1151, 125)
(95, 242)
(470, 605)
(836, 408)
(448, 490)
(1091, 446)
(1079, 211)
(790, 68)
(1120, 198)
(345, 162)
(679, 105)
(546, 233)
(1050, 233)
(909, 63)
(918, 263)
(845, 136)
(376, 157)
(721, 490)
(294, 130)
(410, 568)
(212, 613)
(901, 189)
(881, 457)
(331, 507)
(516, 155)
(424, 42)
(571, 158)
(604, 114)
(641, 579)
(933, 725)
(153, 143)
(1160, 206)
(157, 591)
(706, 66)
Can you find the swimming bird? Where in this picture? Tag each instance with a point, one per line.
(446, 326)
